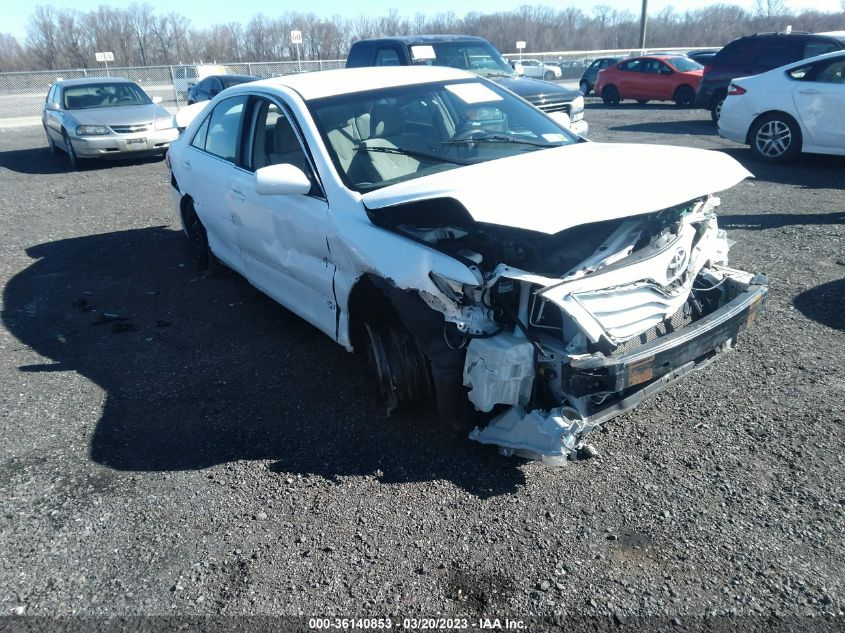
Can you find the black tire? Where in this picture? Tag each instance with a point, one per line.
(198, 240)
(50, 144)
(584, 86)
(397, 363)
(549, 75)
(642, 101)
(72, 158)
(716, 105)
(610, 95)
(775, 138)
(684, 97)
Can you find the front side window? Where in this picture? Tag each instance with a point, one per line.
(224, 126)
(685, 64)
(479, 58)
(274, 140)
(811, 49)
(380, 137)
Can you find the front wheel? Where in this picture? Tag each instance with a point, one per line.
(685, 97)
(548, 75)
(585, 87)
(610, 95)
(775, 138)
(72, 158)
(51, 144)
(198, 240)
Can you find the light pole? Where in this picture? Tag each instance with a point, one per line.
(643, 25)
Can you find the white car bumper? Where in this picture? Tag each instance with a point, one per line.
(735, 119)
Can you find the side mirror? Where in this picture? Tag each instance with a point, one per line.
(520, 71)
(281, 180)
(51, 105)
(157, 99)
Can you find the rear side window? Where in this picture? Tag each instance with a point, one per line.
(778, 53)
(224, 128)
(811, 49)
(597, 64)
(830, 72)
(635, 65)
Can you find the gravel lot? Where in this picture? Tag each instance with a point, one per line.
(211, 454)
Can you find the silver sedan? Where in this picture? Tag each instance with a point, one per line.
(105, 118)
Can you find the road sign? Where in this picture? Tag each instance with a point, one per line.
(106, 56)
(520, 46)
(296, 37)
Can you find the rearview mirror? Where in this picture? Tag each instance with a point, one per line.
(281, 180)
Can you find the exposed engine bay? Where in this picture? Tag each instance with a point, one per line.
(563, 332)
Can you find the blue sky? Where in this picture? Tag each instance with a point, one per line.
(202, 13)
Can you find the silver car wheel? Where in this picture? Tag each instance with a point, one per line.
(773, 139)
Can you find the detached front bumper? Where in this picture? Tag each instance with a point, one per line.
(644, 371)
(124, 145)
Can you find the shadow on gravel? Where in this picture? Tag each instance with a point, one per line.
(758, 222)
(807, 171)
(697, 128)
(39, 160)
(199, 371)
(824, 304)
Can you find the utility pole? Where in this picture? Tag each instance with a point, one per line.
(643, 24)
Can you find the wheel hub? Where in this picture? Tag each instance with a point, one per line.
(773, 138)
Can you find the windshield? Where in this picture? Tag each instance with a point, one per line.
(684, 63)
(380, 137)
(234, 80)
(103, 95)
(476, 57)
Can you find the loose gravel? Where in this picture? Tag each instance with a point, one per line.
(178, 445)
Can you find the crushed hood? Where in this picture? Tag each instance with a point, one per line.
(555, 189)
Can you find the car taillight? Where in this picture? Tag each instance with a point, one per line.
(733, 89)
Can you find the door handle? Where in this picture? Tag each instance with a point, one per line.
(186, 164)
(809, 92)
(237, 194)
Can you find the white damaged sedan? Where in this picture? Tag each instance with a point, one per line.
(377, 204)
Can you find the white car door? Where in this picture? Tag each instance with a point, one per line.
(282, 238)
(820, 100)
(209, 164)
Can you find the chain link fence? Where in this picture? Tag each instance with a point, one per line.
(22, 94)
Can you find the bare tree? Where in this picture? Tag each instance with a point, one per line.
(42, 36)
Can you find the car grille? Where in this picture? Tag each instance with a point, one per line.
(556, 107)
(680, 319)
(627, 311)
(130, 129)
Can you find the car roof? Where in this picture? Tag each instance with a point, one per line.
(232, 76)
(426, 39)
(88, 81)
(329, 83)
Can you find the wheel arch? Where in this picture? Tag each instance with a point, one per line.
(783, 113)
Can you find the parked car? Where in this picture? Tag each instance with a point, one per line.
(540, 70)
(703, 56)
(588, 78)
(213, 85)
(570, 69)
(186, 76)
(378, 204)
(650, 78)
(795, 108)
(754, 54)
(478, 56)
(105, 118)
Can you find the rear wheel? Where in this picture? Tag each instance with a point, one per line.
(775, 138)
(548, 75)
(610, 95)
(716, 106)
(584, 86)
(198, 240)
(684, 96)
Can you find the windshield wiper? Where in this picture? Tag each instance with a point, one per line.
(497, 138)
(409, 152)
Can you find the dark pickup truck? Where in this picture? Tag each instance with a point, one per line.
(478, 56)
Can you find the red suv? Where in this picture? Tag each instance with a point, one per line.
(651, 78)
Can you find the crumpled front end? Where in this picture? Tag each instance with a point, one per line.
(584, 325)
